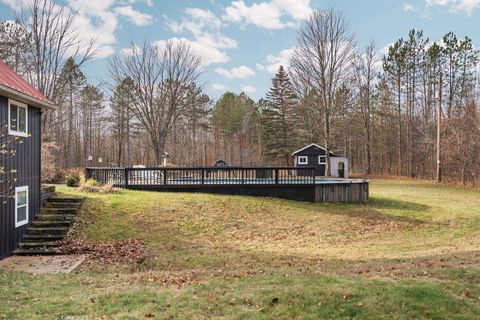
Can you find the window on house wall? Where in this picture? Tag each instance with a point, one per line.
(322, 159)
(302, 160)
(21, 206)
(17, 118)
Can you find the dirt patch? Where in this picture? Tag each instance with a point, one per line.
(106, 253)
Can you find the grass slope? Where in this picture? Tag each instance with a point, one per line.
(411, 252)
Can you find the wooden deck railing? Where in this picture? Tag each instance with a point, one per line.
(210, 176)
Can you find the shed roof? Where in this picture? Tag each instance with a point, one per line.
(309, 146)
(14, 86)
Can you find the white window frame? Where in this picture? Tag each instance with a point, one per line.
(320, 161)
(23, 222)
(19, 105)
(300, 158)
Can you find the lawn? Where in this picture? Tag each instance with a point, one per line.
(413, 251)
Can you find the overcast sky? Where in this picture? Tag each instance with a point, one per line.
(242, 43)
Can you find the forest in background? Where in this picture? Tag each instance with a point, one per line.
(380, 112)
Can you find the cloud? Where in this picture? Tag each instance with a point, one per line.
(385, 49)
(268, 15)
(195, 21)
(275, 61)
(135, 17)
(259, 67)
(248, 89)
(128, 52)
(407, 7)
(241, 72)
(14, 4)
(208, 54)
(207, 42)
(219, 87)
(467, 6)
(97, 20)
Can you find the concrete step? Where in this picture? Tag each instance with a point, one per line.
(58, 210)
(51, 223)
(75, 205)
(49, 217)
(36, 252)
(65, 199)
(43, 237)
(47, 230)
(38, 245)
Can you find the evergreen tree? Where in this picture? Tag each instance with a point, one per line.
(71, 80)
(228, 118)
(281, 118)
(121, 117)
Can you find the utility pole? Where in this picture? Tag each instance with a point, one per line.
(439, 117)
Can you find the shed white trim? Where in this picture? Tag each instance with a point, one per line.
(310, 145)
(302, 160)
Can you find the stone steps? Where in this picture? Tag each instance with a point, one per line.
(45, 233)
(43, 237)
(62, 205)
(50, 217)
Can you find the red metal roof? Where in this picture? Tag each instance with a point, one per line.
(13, 80)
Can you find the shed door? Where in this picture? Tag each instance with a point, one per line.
(320, 170)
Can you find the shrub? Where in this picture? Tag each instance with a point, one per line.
(51, 173)
(92, 186)
(91, 182)
(76, 172)
(71, 181)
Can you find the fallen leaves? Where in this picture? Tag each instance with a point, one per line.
(131, 251)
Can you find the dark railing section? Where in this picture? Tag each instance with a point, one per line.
(158, 177)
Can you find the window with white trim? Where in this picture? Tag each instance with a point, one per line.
(21, 206)
(17, 118)
(322, 159)
(302, 160)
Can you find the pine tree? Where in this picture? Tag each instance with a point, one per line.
(122, 118)
(281, 118)
(71, 80)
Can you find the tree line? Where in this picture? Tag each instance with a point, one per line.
(383, 113)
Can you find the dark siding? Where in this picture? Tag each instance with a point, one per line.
(312, 153)
(27, 164)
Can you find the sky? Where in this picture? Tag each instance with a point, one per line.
(242, 43)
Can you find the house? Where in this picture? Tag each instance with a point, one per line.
(315, 156)
(21, 106)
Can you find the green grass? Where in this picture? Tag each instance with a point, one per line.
(411, 252)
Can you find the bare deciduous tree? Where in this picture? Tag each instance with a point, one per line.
(162, 77)
(364, 75)
(53, 40)
(321, 63)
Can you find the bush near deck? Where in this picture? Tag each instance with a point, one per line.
(411, 252)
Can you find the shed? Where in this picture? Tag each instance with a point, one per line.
(315, 156)
(21, 106)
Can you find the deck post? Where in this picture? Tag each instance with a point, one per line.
(203, 175)
(276, 176)
(164, 177)
(126, 178)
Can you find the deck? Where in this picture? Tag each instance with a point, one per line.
(282, 182)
